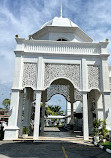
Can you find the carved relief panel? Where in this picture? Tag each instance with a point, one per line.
(93, 76)
(68, 71)
(29, 75)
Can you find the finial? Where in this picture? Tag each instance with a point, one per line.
(61, 10)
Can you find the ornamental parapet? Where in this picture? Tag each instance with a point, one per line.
(55, 47)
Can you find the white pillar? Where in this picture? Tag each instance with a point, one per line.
(99, 106)
(90, 112)
(11, 132)
(85, 117)
(20, 123)
(37, 114)
(72, 115)
(42, 118)
(26, 122)
(43, 111)
(84, 86)
(107, 109)
(106, 88)
(68, 111)
(29, 113)
(17, 80)
(40, 86)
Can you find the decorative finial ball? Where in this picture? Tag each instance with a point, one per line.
(16, 36)
(107, 40)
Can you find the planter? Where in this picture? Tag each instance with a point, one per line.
(96, 139)
(25, 135)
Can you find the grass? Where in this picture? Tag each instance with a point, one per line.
(106, 145)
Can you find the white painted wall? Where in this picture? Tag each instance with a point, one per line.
(54, 36)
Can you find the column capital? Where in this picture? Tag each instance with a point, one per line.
(106, 92)
(38, 91)
(84, 92)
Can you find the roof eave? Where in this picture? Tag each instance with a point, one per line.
(80, 32)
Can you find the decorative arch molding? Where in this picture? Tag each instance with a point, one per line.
(77, 95)
(59, 89)
(68, 71)
(63, 90)
(29, 75)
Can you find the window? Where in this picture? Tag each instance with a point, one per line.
(61, 39)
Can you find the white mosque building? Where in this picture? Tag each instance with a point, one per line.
(59, 59)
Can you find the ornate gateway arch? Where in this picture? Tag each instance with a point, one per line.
(45, 65)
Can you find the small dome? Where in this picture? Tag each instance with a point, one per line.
(62, 22)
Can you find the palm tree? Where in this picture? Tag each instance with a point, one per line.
(55, 110)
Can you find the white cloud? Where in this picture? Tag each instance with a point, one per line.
(25, 17)
(27, 21)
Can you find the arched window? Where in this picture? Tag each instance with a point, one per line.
(61, 39)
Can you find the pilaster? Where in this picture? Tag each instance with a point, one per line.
(84, 75)
(17, 72)
(40, 76)
(105, 75)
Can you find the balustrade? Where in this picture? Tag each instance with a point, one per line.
(59, 47)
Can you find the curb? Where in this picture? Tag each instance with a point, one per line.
(102, 147)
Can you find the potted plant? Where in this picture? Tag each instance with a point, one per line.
(26, 132)
(96, 133)
(96, 129)
(104, 131)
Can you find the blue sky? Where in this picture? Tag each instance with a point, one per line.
(24, 17)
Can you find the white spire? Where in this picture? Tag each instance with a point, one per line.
(61, 10)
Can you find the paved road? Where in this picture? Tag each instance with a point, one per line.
(75, 148)
(49, 149)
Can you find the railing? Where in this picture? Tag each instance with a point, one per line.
(59, 47)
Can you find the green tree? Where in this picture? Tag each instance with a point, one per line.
(6, 103)
(54, 110)
(48, 110)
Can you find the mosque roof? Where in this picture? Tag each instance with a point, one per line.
(63, 25)
(61, 22)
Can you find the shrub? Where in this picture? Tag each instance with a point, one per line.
(99, 129)
(26, 130)
(103, 131)
(96, 132)
(97, 123)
